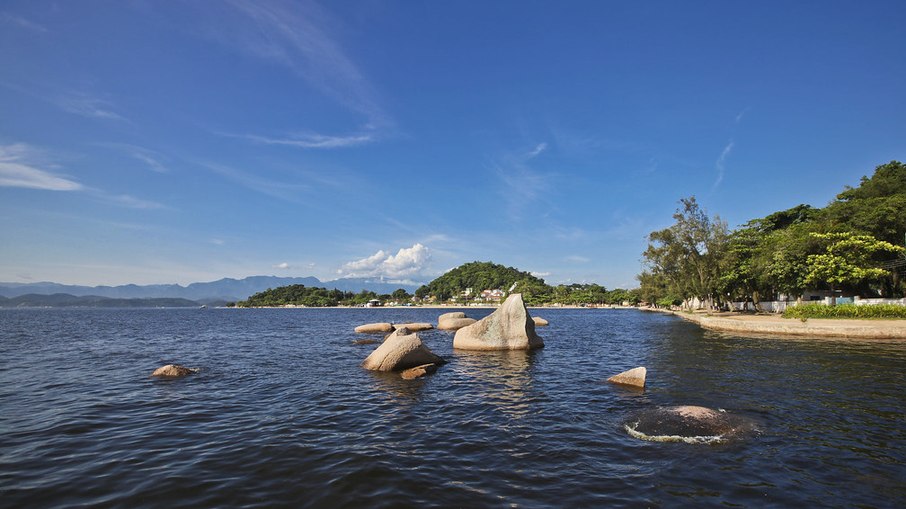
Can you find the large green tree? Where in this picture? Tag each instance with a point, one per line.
(847, 258)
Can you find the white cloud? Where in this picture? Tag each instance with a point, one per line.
(720, 164)
(541, 274)
(406, 262)
(282, 266)
(19, 168)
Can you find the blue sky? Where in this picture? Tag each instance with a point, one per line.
(159, 142)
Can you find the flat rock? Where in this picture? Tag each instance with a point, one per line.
(399, 352)
(454, 323)
(173, 371)
(510, 327)
(418, 371)
(374, 328)
(454, 314)
(365, 342)
(541, 322)
(634, 377)
(413, 327)
(690, 424)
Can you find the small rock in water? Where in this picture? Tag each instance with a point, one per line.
(174, 370)
(634, 377)
(454, 323)
(400, 351)
(418, 371)
(364, 342)
(373, 328)
(540, 322)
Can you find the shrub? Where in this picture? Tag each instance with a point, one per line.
(880, 311)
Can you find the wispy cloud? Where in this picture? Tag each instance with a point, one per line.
(299, 36)
(282, 266)
(11, 19)
(720, 164)
(310, 140)
(741, 114)
(82, 104)
(541, 147)
(23, 166)
(405, 263)
(283, 190)
(128, 201)
(153, 160)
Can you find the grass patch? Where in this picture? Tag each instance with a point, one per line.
(881, 311)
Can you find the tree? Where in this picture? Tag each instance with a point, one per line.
(689, 254)
(400, 295)
(846, 259)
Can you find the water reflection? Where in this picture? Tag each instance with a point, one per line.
(404, 393)
(502, 378)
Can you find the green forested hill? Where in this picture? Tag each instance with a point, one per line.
(482, 276)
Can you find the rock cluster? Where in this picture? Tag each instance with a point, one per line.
(510, 327)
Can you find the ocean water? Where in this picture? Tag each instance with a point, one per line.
(283, 415)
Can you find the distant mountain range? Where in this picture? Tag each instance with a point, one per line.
(63, 300)
(222, 290)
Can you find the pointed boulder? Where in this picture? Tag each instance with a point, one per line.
(634, 377)
(510, 327)
(400, 351)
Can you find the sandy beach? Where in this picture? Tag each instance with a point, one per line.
(777, 325)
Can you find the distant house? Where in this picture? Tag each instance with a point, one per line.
(495, 295)
(373, 303)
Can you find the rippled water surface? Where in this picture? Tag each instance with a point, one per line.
(282, 414)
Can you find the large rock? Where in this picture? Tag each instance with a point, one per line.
(510, 327)
(447, 316)
(634, 377)
(374, 328)
(173, 371)
(455, 323)
(539, 322)
(400, 351)
(414, 327)
(690, 424)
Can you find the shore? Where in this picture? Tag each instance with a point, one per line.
(813, 327)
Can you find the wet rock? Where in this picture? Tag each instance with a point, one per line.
(173, 371)
(540, 322)
(455, 323)
(365, 342)
(414, 327)
(690, 424)
(374, 328)
(634, 377)
(510, 327)
(418, 371)
(400, 351)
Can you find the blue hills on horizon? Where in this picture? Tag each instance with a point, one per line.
(225, 289)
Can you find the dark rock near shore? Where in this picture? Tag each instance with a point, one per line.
(690, 424)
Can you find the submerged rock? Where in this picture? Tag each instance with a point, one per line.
(540, 322)
(374, 328)
(365, 341)
(690, 424)
(418, 371)
(400, 351)
(510, 327)
(634, 377)
(173, 371)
